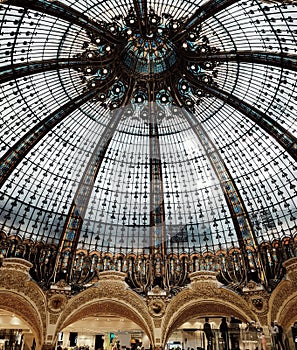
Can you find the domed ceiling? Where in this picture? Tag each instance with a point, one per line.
(149, 127)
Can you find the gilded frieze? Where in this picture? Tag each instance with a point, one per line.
(16, 282)
(204, 296)
(284, 298)
(110, 295)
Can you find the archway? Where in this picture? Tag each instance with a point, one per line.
(15, 332)
(283, 303)
(122, 317)
(110, 296)
(23, 297)
(107, 308)
(22, 314)
(239, 328)
(205, 298)
(99, 332)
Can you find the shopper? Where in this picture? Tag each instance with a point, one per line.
(294, 334)
(224, 333)
(208, 333)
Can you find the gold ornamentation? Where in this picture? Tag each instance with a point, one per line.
(291, 269)
(199, 276)
(284, 298)
(56, 303)
(157, 291)
(157, 322)
(204, 296)
(251, 285)
(258, 303)
(110, 295)
(112, 275)
(61, 287)
(53, 318)
(18, 305)
(157, 307)
(17, 287)
(257, 297)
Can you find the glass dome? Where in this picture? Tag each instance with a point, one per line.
(150, 128)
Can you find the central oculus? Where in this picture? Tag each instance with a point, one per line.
(147, 58)
(149, 55)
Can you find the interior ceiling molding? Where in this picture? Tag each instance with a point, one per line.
(152, 138)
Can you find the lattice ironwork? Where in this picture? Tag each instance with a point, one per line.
(151, 137)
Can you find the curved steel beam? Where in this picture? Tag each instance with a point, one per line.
(239, 214)
(261, 57)
(17, 153)
(73, 225)
(20, 70)
(157, 207)
(204, 12)
(60, 10)
(273, 128)
(234, 201)
(140, 8)
(72, 228)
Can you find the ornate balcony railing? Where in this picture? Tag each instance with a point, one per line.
(170, 272)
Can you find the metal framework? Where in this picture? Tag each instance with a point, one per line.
(274, 129)
(240, 217)
(21, 70)
(270, 59)
(205, 11)
(140, 8)
(71, 233)
(109, 161)
(59, 10)
(17, 153)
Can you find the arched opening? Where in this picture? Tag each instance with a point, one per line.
(15, 332)
(105, 325)
(215, 325)
(12, 303)
(104, 332)
(286, 317)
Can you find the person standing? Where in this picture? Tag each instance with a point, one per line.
(224, 333)
(279, 336)
(208, 333)
(294, 334)
(234, 333)
(273, 333)
(263, 341)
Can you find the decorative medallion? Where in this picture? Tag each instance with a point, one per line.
(57, 302)
(258, 303)
(156, 307)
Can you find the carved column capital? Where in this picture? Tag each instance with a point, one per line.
(17, 264)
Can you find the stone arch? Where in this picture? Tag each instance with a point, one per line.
(286, 315)
(106, 307)
(22, 308)
(284, 298)
(110, 296)
(20, 295)
(196, 308)
(204, 297)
